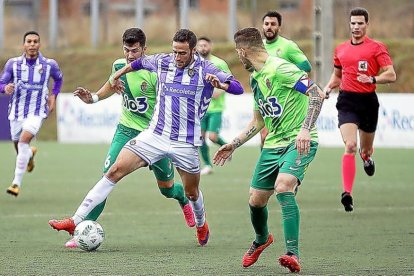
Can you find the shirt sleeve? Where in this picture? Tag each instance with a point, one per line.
(147, 62)
(288, 74)
(296, 55)
(337, 63)
(383, 57)
(7, 75)
(57, 76)
(221, 75)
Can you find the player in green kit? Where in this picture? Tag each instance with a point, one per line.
(211, 122)
(288, 103)
(279, 46)
(138, 100)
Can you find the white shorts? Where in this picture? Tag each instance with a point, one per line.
(31, 124)
(152, 147)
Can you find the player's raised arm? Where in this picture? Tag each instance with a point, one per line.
(88, 97)
(231, 86)
(6, 86)
(115, 82)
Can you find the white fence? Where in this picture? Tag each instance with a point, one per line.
(96, 123)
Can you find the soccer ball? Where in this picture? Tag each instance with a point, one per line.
(89, 235)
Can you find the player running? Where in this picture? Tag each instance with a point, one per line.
(288, 103)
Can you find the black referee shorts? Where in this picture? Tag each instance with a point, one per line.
(358, 108)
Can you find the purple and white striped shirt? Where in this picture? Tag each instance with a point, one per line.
(31, 79)
(183, 95)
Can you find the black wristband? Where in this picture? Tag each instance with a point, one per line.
(374, 80)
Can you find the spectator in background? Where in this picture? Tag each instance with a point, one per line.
(26, 79)
(279, 46)
(359, 64)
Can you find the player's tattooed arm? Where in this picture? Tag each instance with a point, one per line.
(236, 142)
(224, 152)
(315, 106)
(251, 130)
(248, 135)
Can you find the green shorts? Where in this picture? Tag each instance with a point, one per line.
(281, 160)
(211, 122)
(163, 169)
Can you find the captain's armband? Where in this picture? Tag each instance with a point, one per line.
(303, 84)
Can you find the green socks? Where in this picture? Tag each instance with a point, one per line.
(258, 216)
(205, 155)
(176, 192)
(205, 152)
(290, 220)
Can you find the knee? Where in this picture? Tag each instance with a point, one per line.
(285, 186)
(256, 201)
(165, 188)
(192, 195)
(282, 188)
(114, 174)
(350, 147)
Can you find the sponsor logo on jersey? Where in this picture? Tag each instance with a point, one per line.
(179, 90)
(270, 107)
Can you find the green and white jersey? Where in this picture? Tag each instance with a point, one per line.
(282, 107)
(286, 49)
(218, 104)
(138, 98)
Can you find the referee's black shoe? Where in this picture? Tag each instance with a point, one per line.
(369, 166)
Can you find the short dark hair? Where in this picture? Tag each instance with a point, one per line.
(30, 33)
(273, 14)
(185, 35)
(204, 38)
(248, 37)
(134, 35)
(359, 12)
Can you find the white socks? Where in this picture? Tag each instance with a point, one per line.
(198, 209)
(23, 156)
(96, 195)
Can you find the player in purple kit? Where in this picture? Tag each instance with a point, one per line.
(26, 79)
(185, 83)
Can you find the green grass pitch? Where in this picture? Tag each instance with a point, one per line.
(146, 233)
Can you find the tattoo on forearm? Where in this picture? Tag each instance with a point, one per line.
(315, 106)
(236, 142)
(250, 132)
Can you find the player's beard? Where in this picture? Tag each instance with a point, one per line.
(247, 64)
(271, 37)
(204, 54)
